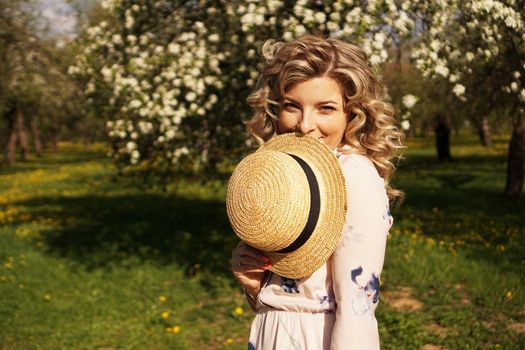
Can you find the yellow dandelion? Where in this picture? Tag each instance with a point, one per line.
(509, 294)
(162, 298)
(238, 311)
(8, 265)
(175, 329)
(165, 315)
(47, 297)
(168, 330)
(229, 341)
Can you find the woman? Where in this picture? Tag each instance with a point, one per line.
(327, 89)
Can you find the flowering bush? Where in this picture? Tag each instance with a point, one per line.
(465, 39)
(172, 79)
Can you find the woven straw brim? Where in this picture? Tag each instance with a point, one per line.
(321, 245)
(268, 200)
(283, 201)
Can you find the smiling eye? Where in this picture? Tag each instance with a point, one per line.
(327, 108)
(289, 106)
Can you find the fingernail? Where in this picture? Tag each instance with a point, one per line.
(267, 266)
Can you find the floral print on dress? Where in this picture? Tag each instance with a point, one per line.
(327, 303)
(289, 285)
(387, 216)
(326, 299)
(369, 292)
(371, 288)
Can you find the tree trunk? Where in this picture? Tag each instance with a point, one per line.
(484, 132)
(54, 142)
(22, 137)
(426, 129)
(443, 140)
(515, 159)
(10, 145)
(36, 136)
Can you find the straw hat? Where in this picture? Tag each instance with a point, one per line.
(288, 199)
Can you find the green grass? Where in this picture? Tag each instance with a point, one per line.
(85, 256)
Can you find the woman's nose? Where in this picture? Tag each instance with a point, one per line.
(306, 123)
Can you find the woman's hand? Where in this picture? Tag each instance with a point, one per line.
(249, 266)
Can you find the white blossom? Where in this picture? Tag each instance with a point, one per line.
(191, 96)
(441, 69)
(458, 90)
(214, 38)
(117, 39)
(130, 146)
(375, 59)
(135, 104)
(134, 157)
(453, 78)
(320, 17)
(409, 101)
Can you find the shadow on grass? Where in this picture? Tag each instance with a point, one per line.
(49, 160)
(19, 168)
(101, 231)
(464, 201)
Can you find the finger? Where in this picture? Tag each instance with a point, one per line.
(244, 270)
(254, 262)
(253, 252)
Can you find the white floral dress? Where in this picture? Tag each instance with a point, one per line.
(334, 307)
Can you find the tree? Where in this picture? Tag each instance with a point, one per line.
(477, 46)
(34, 86)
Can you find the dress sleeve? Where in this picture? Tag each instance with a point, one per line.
(358, 259)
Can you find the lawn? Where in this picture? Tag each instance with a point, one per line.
(93, 260)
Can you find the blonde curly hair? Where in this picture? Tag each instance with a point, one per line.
(370, 130)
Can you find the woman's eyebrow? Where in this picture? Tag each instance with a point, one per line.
(317, 104)
(326, 102)
(289, 99)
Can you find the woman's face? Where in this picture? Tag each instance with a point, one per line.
(314, 107)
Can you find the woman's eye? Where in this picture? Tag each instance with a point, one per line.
(327, 108)
(289, 106)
